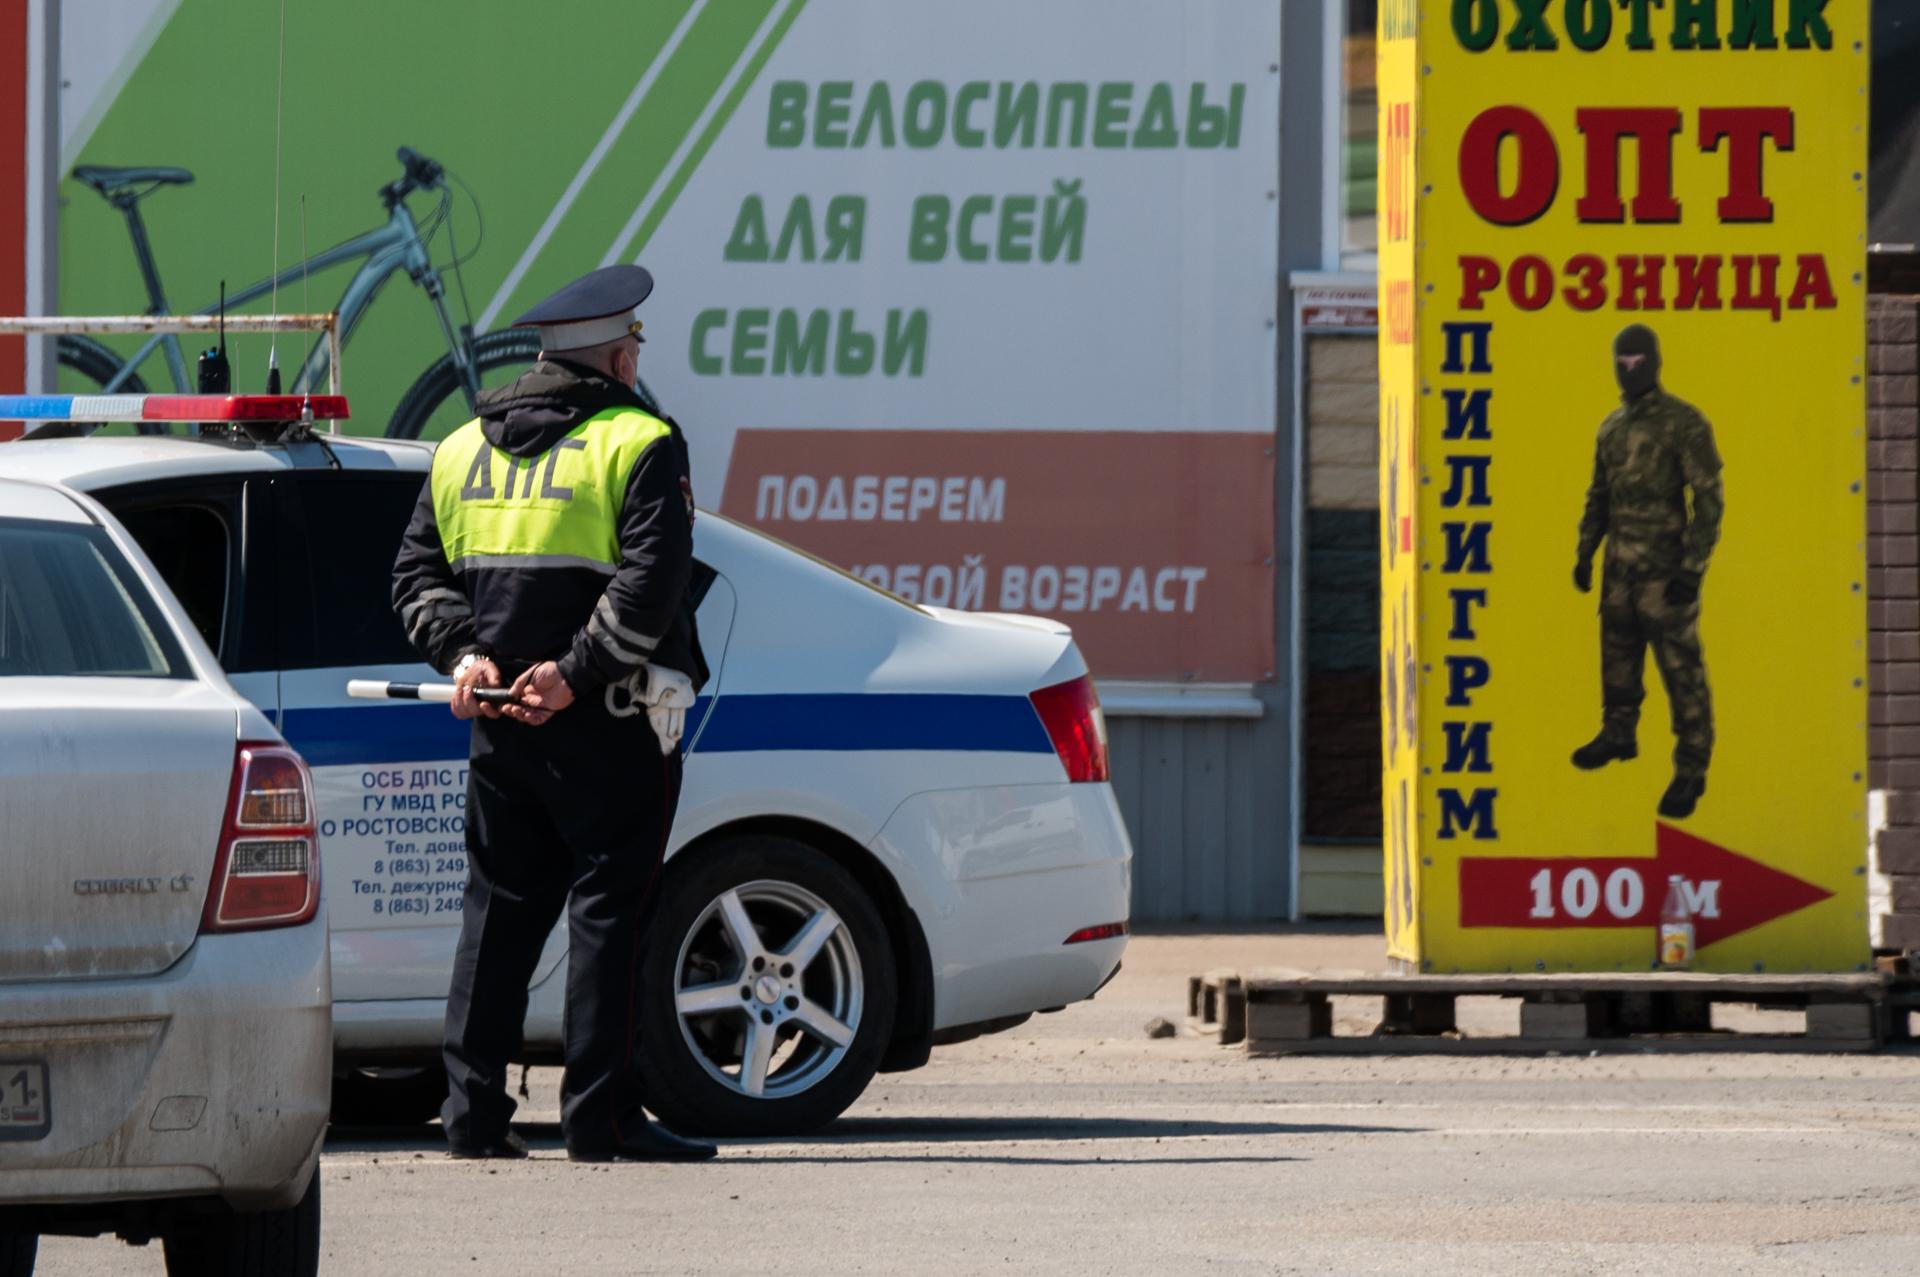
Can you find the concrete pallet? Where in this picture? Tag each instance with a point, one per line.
(1217, 1005)
(1288, 1012)
(1902, 1003)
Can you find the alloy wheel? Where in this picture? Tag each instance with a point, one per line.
(768, 989)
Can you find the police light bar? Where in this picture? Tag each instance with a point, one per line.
(155, 408)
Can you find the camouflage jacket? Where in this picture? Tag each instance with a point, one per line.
(1650, 454)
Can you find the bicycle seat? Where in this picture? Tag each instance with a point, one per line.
(112, 182)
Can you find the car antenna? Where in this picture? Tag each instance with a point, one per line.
(279, 106)
(306, 308)
(304, 429)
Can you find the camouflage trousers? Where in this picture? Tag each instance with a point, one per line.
(1635, 616)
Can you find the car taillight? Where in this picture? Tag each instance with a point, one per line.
(1105, 931)
(1070, 712)
(267, 870)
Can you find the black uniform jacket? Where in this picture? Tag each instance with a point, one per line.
(596, 627)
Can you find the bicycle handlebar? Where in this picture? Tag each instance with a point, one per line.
(421, 173)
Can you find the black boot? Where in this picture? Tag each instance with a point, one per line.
(508, 1147)
(651, 1142)
(1682, 796)
(1604, 749)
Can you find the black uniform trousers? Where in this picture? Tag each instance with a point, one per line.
(572, 814)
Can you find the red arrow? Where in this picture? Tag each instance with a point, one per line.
(1730, 892)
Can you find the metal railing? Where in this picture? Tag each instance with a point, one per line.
(43, 325)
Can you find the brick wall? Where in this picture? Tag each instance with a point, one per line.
(1343, 421)
(1893, 605)
(1341, 736)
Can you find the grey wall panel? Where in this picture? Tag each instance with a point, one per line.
(1205, 803)
(1162, 809)
(1123, 756)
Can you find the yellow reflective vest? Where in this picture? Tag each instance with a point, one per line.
(559, 509)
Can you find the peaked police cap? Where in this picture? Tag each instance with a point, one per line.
(593, 309)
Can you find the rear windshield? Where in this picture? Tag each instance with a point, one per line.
(71, 606)
(828, 564)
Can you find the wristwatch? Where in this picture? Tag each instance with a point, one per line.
(466, 663)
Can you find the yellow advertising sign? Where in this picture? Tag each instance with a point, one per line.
(1623, 482)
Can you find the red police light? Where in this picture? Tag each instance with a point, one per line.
(245, 407)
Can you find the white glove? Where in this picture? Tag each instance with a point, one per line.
(668, 697)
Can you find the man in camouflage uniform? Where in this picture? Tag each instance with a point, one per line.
(1652, 452)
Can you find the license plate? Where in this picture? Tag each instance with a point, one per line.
(26, 1113)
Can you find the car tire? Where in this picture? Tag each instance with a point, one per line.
(283, 1243)
(389, 1096)
(17, 1254)
(784, 887)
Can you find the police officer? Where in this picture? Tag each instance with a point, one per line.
(551, 550)
(1653, 451)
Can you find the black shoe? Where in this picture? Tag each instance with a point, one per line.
(509, 1147)
(651, 1143)
(1604, 749)
(1682, 796)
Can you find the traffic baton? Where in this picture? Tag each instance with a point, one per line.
(371, 689)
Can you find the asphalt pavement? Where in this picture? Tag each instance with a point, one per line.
(1077, 1143)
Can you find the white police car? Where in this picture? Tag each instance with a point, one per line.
(896, 830)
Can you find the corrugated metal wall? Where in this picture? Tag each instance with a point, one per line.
(1206, 803)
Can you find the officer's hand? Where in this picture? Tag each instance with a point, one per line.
(1583, 576)
(1683, 590)
(542, 693)
(482, 673)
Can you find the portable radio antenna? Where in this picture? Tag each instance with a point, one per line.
(279, 106)
(213, 373)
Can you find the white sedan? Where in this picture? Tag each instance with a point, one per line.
(164, 982)
(896, 829)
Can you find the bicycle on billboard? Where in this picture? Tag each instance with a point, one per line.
(439, 399)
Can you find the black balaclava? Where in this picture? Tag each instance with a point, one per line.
(1636, 360)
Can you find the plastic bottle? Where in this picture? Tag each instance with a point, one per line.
(1676, 927)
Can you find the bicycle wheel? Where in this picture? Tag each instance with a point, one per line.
(97, 365)
(434, 404)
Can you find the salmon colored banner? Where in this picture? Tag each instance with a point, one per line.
(1156, 548)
